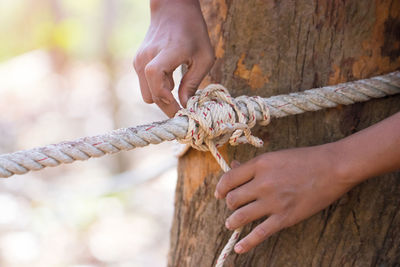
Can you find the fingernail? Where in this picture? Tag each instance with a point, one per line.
(216, 194)
(238, 248)
(227, 225)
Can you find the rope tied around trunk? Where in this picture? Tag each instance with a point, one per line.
(212, 118)
(216, 118)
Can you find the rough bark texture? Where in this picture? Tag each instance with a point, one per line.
(273, 47)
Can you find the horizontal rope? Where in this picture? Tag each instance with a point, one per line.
(176, 128)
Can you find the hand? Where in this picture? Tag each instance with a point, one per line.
(288, 186)
(177, 35)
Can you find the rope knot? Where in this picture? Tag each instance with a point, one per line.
(216, 118)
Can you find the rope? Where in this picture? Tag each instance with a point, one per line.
(176, 128)
(211, 119)
(213, 113)
(214, 118)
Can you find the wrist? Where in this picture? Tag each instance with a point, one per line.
(156, 5)
(345, 164)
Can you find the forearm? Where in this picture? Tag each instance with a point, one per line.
(370, 152)
(155, 5)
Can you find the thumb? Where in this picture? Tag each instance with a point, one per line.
(191, 81)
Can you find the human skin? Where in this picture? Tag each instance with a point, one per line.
(290, 185)
(287, 186)
(177, 35)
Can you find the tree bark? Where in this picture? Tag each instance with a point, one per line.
(267, 48)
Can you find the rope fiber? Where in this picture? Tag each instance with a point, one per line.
(212, 118)
(177, 128)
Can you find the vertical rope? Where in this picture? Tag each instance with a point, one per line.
(236, 234)
(214, 117)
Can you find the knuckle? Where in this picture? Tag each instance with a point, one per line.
(207, 61)
(260, 233)
(136, 60)
(184, 50)
(239, 218)
(146, 53)
(159, 94)
(231, 201)
(207, 52)
(210, 58)
(156, 98)
(222, 186)
(284, 220)
(265, 185)
(150, 69)
(162, 98)
(191, 85)
(148, 99)
(258, 162)
(139, 60)
(227, 177)
(137, 65)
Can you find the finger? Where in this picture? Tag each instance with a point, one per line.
(242, 195)
(259, 234)
(234, 178)
(140, 61)
(246, 214)
(159, 79)
(144, 88)
(193, 77)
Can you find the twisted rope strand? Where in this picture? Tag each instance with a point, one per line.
(208, 130)
(176, 128)
(214, 118)
(211, 119)
(95, 146)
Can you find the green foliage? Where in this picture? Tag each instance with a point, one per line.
(84, 29)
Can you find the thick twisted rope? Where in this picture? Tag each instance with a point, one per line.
(176, 128)
(212, 118)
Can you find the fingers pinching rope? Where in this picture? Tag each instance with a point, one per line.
(214, 118)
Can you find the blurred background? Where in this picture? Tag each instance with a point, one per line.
(66, 72)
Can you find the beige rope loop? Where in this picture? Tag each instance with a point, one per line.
(214, 118)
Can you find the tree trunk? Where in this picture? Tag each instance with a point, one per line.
(267, 48)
